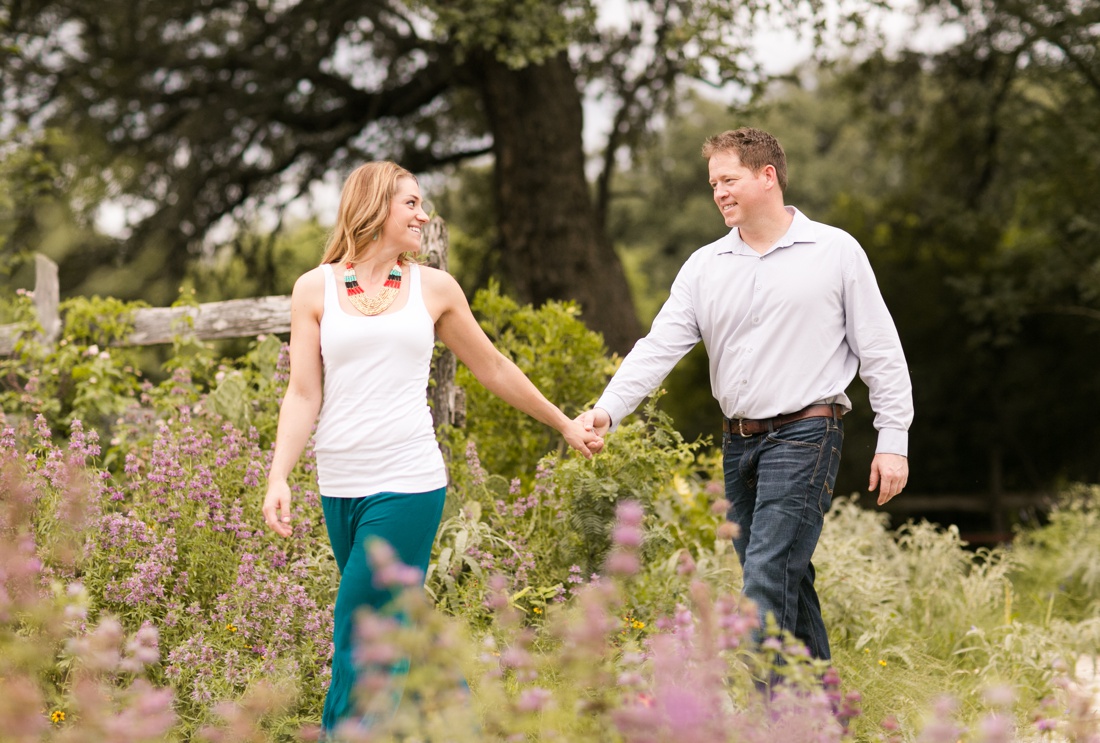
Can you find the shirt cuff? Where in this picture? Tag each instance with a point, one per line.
(893, 441)
(615, 409)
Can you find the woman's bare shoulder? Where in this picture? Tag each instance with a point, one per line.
(438, 281)
(311, 280)
(309, 288)
(442, 293)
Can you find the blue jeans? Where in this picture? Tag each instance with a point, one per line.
(779, 486)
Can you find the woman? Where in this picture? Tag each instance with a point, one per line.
(361, 345)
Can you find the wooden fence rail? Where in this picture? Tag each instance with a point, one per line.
(235, 318)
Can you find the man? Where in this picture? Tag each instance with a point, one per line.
(788, 310)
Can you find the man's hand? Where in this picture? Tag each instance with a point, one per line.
(596, 420)
(889, 473)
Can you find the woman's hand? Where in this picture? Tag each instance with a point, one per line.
(596, 420)
(277, 507)
(584, 440)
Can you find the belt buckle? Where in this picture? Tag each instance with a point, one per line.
(741, 429)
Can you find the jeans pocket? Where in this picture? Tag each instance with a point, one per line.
(808, 433)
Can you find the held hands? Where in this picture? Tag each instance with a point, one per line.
(586, 441)
(277, 507)
(585, 432)
(596, 420)
(889, 473)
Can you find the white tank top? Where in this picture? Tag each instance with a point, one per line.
(375, 430)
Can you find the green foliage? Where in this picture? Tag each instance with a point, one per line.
(30, 173)
(1057, 568)
(914, 613)
(83, 377)
(97, 321)
(246, 394)
(18, 309)
(986, 212)
(551, 536)
(258, 262)
(665, 210)
(558, 354)
(527, 32)
(635, 466)
(466, 199)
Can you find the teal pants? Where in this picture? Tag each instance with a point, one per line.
(408, 522)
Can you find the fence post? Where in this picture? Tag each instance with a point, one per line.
(47, 297)
(448, 399)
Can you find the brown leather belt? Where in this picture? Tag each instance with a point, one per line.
(745, 427)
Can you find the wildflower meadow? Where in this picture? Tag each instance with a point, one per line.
(141, 598)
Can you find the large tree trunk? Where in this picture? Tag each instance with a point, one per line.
(552, 246)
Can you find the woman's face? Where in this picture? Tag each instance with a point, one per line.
(407, 217)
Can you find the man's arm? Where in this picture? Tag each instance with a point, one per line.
(675, 331)
(871, 334)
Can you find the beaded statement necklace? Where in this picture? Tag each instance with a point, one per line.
(380, 301)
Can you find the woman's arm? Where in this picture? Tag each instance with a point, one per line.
(302, 400)
(456, 327)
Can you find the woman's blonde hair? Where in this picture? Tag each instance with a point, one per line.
(364, 208)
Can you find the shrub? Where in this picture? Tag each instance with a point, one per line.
(564, 359)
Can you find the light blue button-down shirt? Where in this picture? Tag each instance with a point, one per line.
(783, 330)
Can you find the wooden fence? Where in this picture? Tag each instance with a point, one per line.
(236, 318)
(242, 318)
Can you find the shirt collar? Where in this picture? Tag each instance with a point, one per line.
(800, 231)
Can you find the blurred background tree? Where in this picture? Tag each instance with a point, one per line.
(195, 112)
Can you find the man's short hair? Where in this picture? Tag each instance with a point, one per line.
(755, 148)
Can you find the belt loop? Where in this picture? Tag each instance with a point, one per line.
(832, 407)
(771, 425)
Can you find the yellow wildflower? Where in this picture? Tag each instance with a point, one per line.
(882, 663)
(57, 717)
(231, 628)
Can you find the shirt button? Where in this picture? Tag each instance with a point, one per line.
(744, 381)
(748, 350)
(756, 320)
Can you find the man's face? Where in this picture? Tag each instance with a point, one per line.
(738, 191)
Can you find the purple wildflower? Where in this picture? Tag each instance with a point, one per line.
(477, 473)
(533, 699)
